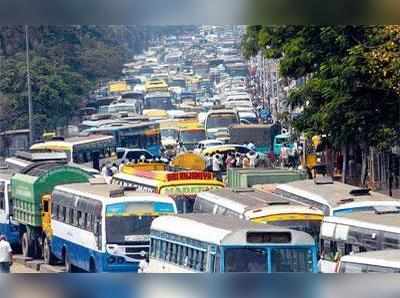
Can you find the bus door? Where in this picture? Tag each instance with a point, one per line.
(46, 215)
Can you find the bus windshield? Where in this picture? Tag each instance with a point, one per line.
(311, 227)
(169, 133)
(243, 259)
(291, 260)
(130, 222)
(162, 103)
(192, 136)
(221, 120)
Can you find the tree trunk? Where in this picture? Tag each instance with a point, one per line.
(344, 165)
(364, 164)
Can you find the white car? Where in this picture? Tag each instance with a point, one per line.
(206, 144)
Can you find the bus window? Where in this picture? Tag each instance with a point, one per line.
(245, 260)
(347, 267)
(291, 260)
(203, 206)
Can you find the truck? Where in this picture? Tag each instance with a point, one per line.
(243, 178)
(31, 194)
(261, 135)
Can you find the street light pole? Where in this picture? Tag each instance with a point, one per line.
(28, 76)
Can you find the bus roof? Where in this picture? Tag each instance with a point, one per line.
(120, 126)
(168, 176)
(385, 258)
(334, 194)
(217, 229)
(256, 203)
(67, 143)
(369, 221)
(104, 192)
(367, 218)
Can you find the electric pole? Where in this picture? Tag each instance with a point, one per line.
(28, 77)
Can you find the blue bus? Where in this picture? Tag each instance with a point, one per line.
(144, 135)
(8, 227)
(226, 244)
(101, 227)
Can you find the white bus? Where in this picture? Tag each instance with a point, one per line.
(357, 232)
(260, 207)
(218, 121)
(381, 261)
(210, 243)
(101, 227)
(8, 227)
(335, 199)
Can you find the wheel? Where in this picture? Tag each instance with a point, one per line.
(48, 256)
(68, 265)
(27, 246)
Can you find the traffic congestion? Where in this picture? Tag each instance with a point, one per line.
(179, 166)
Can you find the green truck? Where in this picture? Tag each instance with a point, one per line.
(243, 178)
(31, 194)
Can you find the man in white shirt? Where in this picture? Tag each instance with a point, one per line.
(5, 255)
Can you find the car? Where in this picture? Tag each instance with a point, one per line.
(127, 154)
(206, 144)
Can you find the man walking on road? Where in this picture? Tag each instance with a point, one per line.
(5, 255)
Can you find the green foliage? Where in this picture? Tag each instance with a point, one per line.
(346, 95)
(66, 62)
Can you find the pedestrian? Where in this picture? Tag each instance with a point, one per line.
(230, 161)
(5, 255)
(122, 164)
(216, 165)
(246, 162)
(208, 160)
(238, 160)
(284, 155)
(114, 169)
(252, 156)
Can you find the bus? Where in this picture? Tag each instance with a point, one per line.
(380, 261)
(279, 141)
(226, 244)
(8, 226)
(158, 100)
(219, 121)
(155, 85)
(191, 136)
(143, 135)
(260, 207)
(82, 149)
(356, 233)
(99, 227)
(334, 198)
(181, 186)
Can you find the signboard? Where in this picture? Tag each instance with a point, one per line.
(186, 189)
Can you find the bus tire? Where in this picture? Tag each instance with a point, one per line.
(68, 266)
(48, 256)
(27, 246)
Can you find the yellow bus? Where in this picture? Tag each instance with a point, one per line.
(118, 87)
(155, 114)
(80, 149)
(260, 207)
(182, 186)
(155, 85)
(191, 136)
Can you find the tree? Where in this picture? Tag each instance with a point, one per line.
(351, 92)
